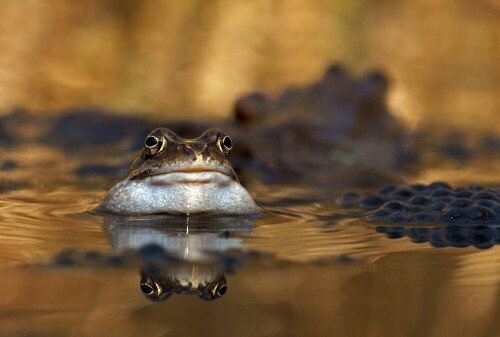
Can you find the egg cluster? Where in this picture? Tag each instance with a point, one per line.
(458, 236)
(437, 202)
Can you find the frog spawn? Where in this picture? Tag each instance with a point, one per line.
(437, 202)
(457, 236)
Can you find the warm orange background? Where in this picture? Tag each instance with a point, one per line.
(192, 58)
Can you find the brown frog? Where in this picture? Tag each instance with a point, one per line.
(183, 176)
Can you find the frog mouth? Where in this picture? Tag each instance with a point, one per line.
(189, 176)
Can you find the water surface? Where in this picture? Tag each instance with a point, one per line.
(305, 267)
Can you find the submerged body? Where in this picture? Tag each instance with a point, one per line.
(181, 176)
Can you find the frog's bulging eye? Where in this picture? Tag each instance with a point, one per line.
(151, 142)
(155, 144)
(227, 142)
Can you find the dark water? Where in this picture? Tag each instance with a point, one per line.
(304, 268)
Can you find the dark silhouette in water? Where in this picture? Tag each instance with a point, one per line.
(311, 132)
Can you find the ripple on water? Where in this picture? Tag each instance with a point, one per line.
(301, 223)
(39, 222)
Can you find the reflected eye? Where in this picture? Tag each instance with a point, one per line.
(218, 291)
(151, 141)
(147, 289)
(222, 290)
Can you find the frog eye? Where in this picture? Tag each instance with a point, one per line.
(151, 142)
(147, 289)
(219, 290)
(222, 290)
(153, 291)
(225, 144)
(155, 144)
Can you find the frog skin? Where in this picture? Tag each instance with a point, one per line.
(172, 175)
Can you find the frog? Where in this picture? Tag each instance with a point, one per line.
(173, 175)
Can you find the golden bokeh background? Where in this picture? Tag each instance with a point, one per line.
(193, 58)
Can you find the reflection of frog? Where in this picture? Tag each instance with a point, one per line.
(193, 271)
(206, 281)
(175, 175)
